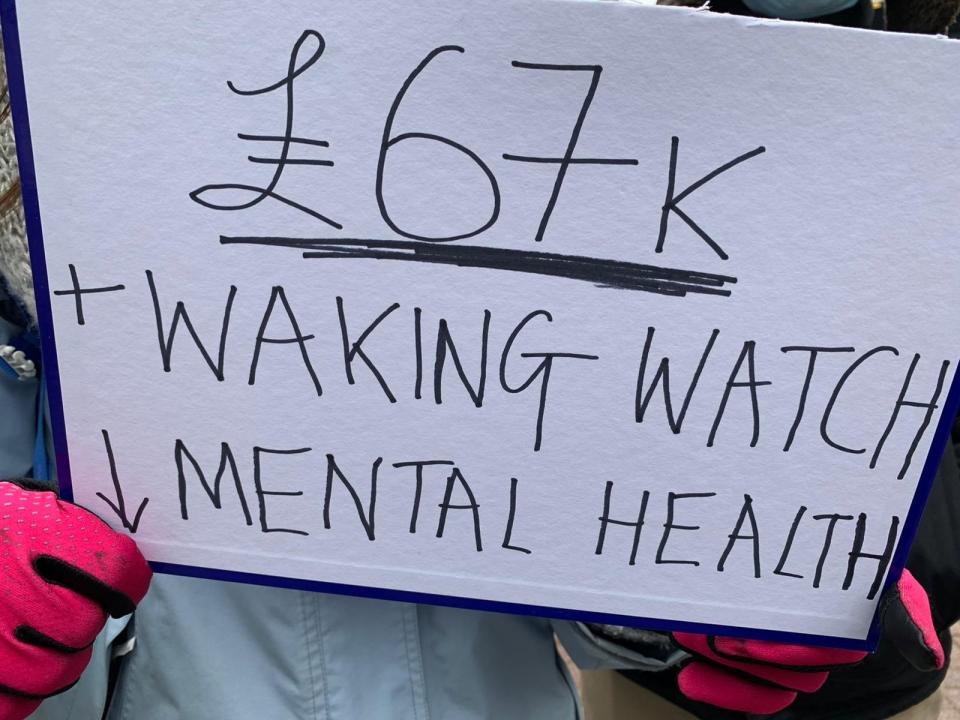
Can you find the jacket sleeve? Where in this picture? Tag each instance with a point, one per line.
(599, 647)
(935, 557)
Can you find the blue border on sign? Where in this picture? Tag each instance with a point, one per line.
(31, 204)
(504, 607)
(31, 211)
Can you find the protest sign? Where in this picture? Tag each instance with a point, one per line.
(581, 309)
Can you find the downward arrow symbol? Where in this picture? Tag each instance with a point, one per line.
(119, 507)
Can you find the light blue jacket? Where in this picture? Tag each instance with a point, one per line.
(205, 650)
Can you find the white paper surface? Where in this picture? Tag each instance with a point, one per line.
(840, 233)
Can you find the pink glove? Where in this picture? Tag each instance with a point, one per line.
(62, 571)
(766, 676)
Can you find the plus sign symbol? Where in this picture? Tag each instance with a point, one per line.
(78, 292)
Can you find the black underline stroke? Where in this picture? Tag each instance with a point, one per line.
(601, 272)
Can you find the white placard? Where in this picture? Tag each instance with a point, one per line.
(388, 294)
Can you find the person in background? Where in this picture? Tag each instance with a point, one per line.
(847, 13)
(907, 16)
(205, 649)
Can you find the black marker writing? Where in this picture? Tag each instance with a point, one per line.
(444, 346)
(390, 140)
(883, 559)
(295, 68)
(368, 516)
(78, 292)
(670, 526)
(637, 524)
(808, 378)
(181, 453)
(418, 492)
(563, 163)
(511, 516)
(601, 272)
(457, 478)
(166, 338)
(832, 520)
(670, 205)
(663, 376)
(542, 371)
(298, 338)
(751, 383)
(927, 405)
(789, 544)
(746, 513)
(836, 394)
(354, 350)
(262, 494)
(119, 506)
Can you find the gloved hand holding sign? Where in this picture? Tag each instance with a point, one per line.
(759, 677)
(62, 571)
